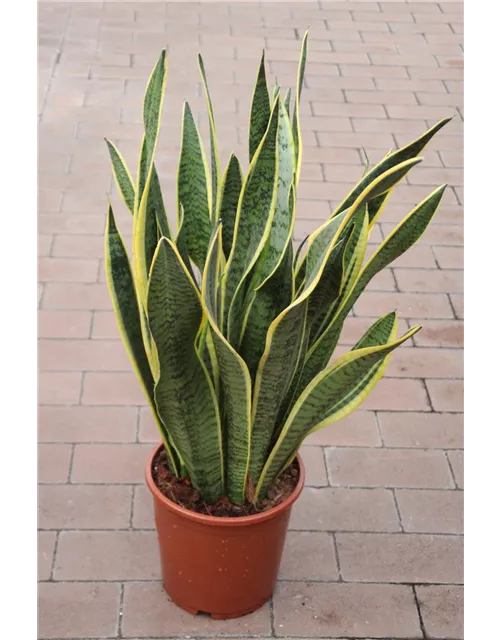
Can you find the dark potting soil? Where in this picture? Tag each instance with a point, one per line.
(180, 491)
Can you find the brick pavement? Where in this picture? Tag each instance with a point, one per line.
(375, 548)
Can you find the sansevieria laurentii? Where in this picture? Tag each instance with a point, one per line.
(231, 328)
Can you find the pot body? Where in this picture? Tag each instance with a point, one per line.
(226, 567)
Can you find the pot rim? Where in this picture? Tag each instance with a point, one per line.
(225, 521)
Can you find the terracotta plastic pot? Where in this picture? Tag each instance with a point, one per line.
(226, 567)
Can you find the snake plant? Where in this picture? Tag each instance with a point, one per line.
(230, 329)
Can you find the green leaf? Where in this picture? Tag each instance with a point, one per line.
(380, 332)
(123, 296)
(184, 394)
(260, 111)
(283, 348)
(406, 153)
(181, 244)
(152, 107)
(146, 201)
(331, 395)
(400, 240)
(377, 187)
(286, 101)
(253, 225)
(265, 305)
(214, 152)
(232, 182)
(276, 90)
(122, 176)
(236, 383)
(193, 190)
(283, 217)
(296, 119)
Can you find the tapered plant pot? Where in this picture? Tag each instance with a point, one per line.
(226, 567)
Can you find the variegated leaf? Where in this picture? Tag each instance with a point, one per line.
(401, 155)
(147, 194)
(336, 391)
(296, 116)
(253, 225)
(286, 101)
(400, 240)
(122, 176)
(125, 304)
(236, 383)
(232, 181)
(260, 110)
(184, 395)
(193, 191)
(283, 216)
(283, 348)
(265, 305)
(214, 152)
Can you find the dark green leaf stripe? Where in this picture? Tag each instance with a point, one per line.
(276, 90)
(232, 181)
(235, 380)
(122, 176)
(332, 391)
(381, 332)
(153, 102)
(260, 110)
(298, 252)
(377, 187)
(275, 372)
(406, 153)
(400, 240)
(214, 152)
(180, 243)
(283, 349)
(325, 295)
(253, 224)
(148, 194)
(376, 206)
(122, 292)
(266, 304)
(354, 253)
(184, 394)
(378, 333)
(286, 101)
(296, 118)
(284, 211)
(193, 189)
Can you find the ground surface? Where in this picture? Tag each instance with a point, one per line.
(374, 549)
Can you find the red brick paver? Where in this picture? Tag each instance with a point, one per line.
(374, 549)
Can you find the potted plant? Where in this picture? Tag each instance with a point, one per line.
(230, 330)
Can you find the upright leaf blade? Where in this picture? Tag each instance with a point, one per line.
(283, 350)
(253, 224)
(236, 383)
(123, 296)
(145, 217)
(286, 101)
(296, 116)
(264, 306)
(184, 394)
(284, 210)
(214, 152)
(408, 152)
(336, 391)
(122, 176)
(193, 190)
(232, 182)
(400, 240)
(260, 111)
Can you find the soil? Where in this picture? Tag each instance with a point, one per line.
(180, 491)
